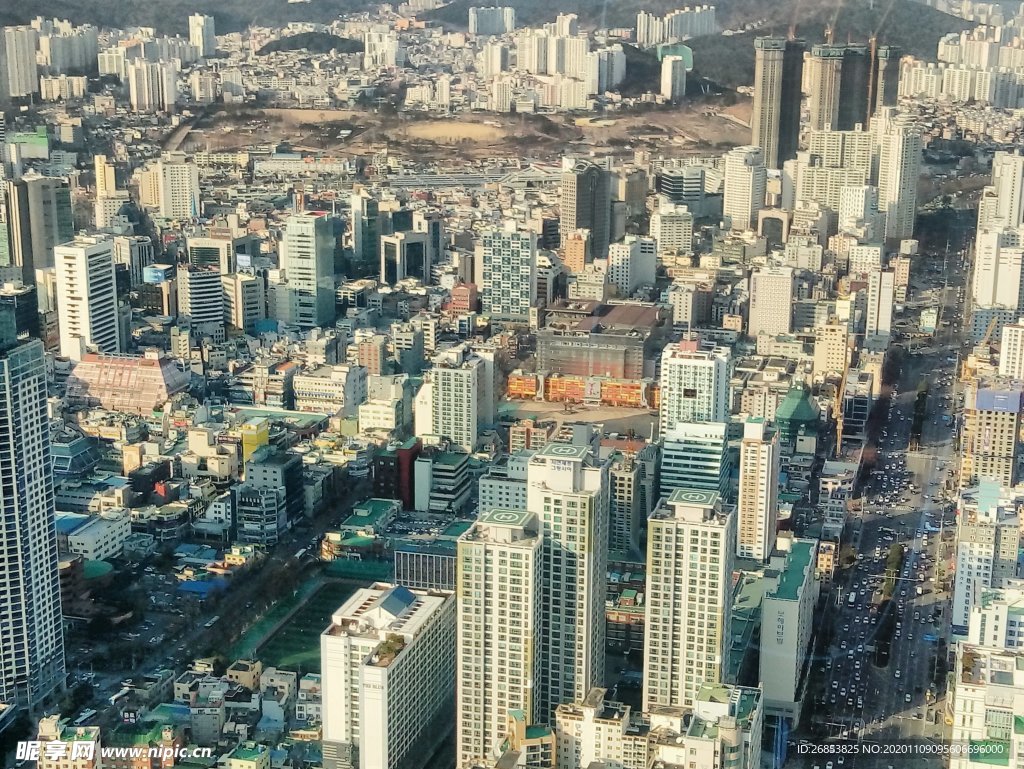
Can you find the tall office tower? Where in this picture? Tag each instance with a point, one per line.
(39, 217)
(881, 298)
(824, 79)
(991, 443)
(175, 181)
(683, 186)
(1002, 201)
(744, 186)
(689, 613)
(509, 287)
(568, 490)
(586, 203)
(854, 88)
(32, 635)
(757, 505)
(202, 34)
(694, 385)
(886, 80)
(771, 301)
(899, 167)
(672, 227)
(135, 252)
(430, 223)
(695, 455)
(998, 279)
(106, 179)
(634, 491)
(365, 222)
(214, 249)
(492, 20)
(673, 78)
(201, 299)
(775, 120)
(23, 302)
(307, 258)
(831, 343)
(499, 589)
(632, 264)
(87, 297)
(387, 670)
(245, 300)
(404, 255)
(152, 85)
(19, 72)
(1011, 351)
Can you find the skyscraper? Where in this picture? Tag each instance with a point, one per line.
(854, 87)
(152, 85)
(463, 396)
(689, 592)
(568, 490)
(694, 384)
(509, 287)
(824, 76)
(899, 166)
(87, 297)
(881, 298)
(673, 78)
(586, 203)
(365, 223)
(775, 120)
(886, 79)
(202, 34)
(758, 501)
(744, 187)
(499, 589)
(39, 217)
(31, 635)
(307, 258)
(171, 185)
(106, 180)
(201, 299)
(18, 69)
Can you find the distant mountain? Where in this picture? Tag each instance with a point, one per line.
(171, 16)
(314, 42)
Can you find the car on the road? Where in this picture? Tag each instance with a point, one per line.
(897, 674)
(907, 698)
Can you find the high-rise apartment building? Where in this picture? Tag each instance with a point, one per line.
(463, 397)
(1011, 351)
(152, 85)
(1002, 201)
(886, 82)
(694, 384)
(32, 634)
(775, 120)
(307, 259)
(499, 590)
(673, 78)
(568, 490)
(824, 79)
(831, 343)
(509, 287)
(772, 291)
(171, 186)
(19, 73)
(87, 297)
(689, 593)
(744, 186)
(757, 506)
(492, 20)
(387, 669)
(106, 178)
(586, 203)
(202, 34)
(672, 227)
(899, 167)
(39, 217)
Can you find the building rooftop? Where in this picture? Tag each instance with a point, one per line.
(791, 578)
(505, 517)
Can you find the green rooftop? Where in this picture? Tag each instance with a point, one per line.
(791, 579)
(371, 512)
(1018, 724)
(456, 529)
(990, 752)
(125, 735)
(747, 598)
(251, 752)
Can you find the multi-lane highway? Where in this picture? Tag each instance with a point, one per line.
(882, 674)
